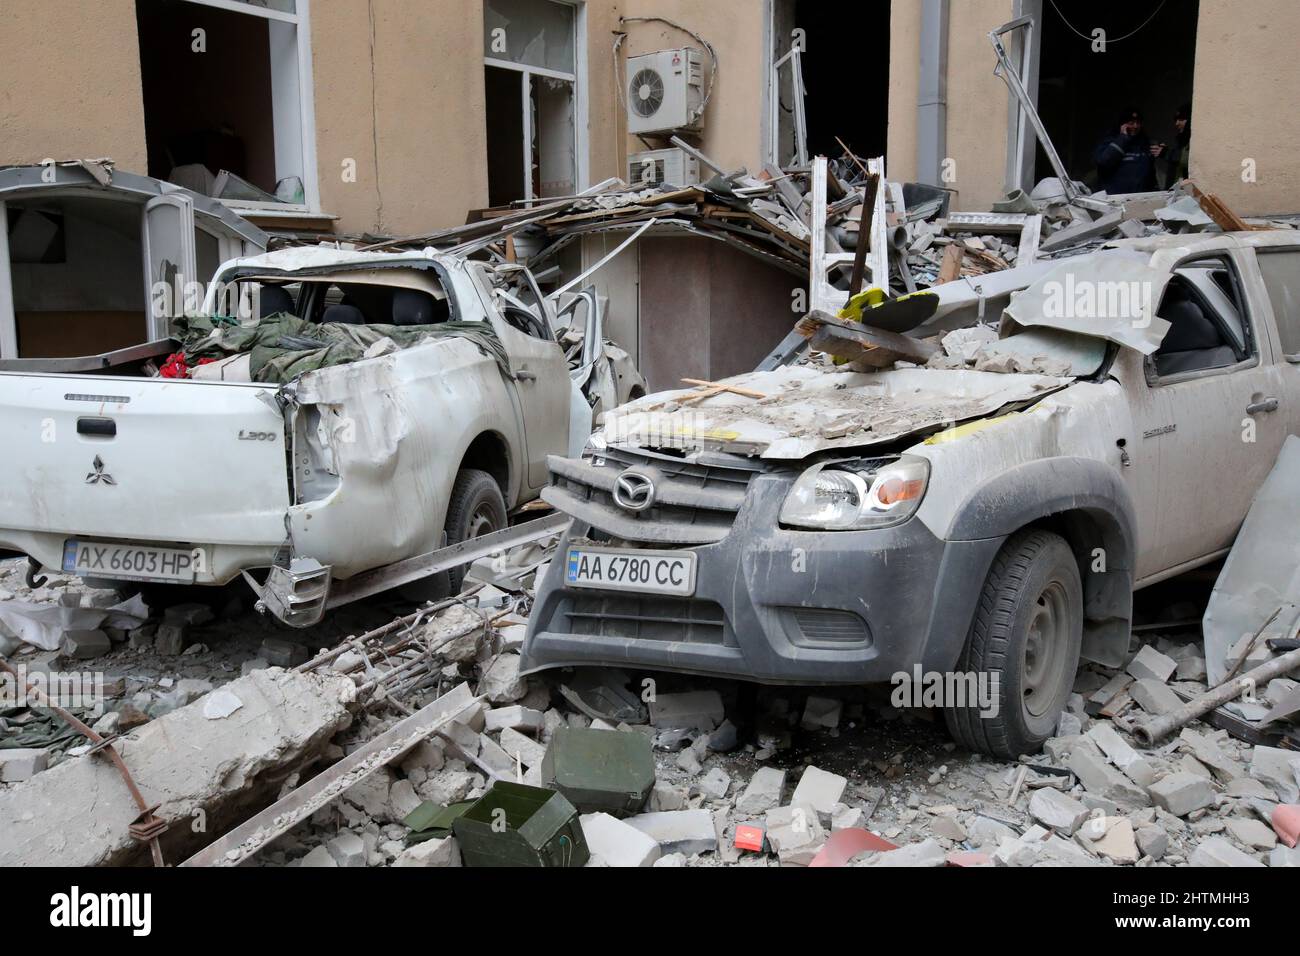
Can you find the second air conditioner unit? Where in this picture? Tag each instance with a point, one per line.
(654, 167)
(665, 91)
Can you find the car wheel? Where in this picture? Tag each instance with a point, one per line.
(1026, 633)
(476, 508)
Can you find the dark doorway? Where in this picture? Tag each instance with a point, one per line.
(207, 97)
(845, 60)
(505, 135)
(1147, 63)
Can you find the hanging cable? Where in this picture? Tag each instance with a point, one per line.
(1090, 38)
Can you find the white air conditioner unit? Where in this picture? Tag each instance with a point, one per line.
(665, 91)
(654, 167)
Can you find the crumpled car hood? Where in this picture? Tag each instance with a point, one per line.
(806, 409)
(1111, 296)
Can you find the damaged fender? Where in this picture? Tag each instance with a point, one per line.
(1093, 510)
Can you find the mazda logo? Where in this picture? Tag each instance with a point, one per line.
(634, 491)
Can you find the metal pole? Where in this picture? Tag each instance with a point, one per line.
(1151, 731)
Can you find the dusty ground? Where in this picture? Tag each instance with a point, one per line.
(904, 778)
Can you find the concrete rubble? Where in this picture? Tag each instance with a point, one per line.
(77, 812)
(799, 766)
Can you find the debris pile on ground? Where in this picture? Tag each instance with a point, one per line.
(700, 774)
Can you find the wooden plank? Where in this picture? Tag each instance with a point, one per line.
(950, 268)
(857, 342)
(864, 235)
(1216, 209)
(723, 387)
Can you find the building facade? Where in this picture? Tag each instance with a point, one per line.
(402, 117)
(399, 116)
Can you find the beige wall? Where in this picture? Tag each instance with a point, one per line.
(420, 107)
(411, 115)
(904, 88)
(977, 100)
(977, 103)
(70, 82)
(1244, 103)
(419, 104)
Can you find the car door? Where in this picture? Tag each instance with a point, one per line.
(1278, 268)
(1214, 412)
(540, 372)
(581, 314)
(167, 226)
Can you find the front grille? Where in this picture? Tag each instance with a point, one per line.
(646, 617)
(827, 626)
(696, 500)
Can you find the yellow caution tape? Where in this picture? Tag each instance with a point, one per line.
(961, 431)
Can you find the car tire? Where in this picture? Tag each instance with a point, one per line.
(476, 508)
(473, 493)
(1027, 630)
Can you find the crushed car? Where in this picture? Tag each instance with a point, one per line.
(986, 506)
(327, 413)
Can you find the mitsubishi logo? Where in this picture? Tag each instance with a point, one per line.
(99, 474)
(634, 491)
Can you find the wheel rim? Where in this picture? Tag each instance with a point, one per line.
(1044, 649)
(481, 522)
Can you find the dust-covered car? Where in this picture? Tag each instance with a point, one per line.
(327, 413)
(990, 512)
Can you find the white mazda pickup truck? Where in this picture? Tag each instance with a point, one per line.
(826, 524)
(379, 406)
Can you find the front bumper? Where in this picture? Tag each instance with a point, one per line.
(776, 606)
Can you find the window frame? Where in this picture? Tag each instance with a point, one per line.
(578, 78)
(1260, 252)
(1248, 324)
(300, 21)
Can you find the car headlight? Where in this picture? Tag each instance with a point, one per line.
(855, 495)
(596, 444)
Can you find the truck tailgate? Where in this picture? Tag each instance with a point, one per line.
(142, 459)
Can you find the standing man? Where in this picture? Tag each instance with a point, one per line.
(1126, 158)
(1177, 157)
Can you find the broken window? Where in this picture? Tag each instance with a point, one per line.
(226, 99)
(815, 63)
(1281, 271)
(1208, 327)
(530, 82)
(362, 298)
(1094, 61)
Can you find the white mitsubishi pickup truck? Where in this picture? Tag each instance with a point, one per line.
(830, 524)
(379, 406)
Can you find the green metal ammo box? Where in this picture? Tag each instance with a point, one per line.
(609, 771)
(517, 825)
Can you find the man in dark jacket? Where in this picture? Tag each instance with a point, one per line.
(1126, 159)
(1177, 156)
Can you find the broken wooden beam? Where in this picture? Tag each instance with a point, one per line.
(707, 389)
(1218, 210)
(856, 342)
